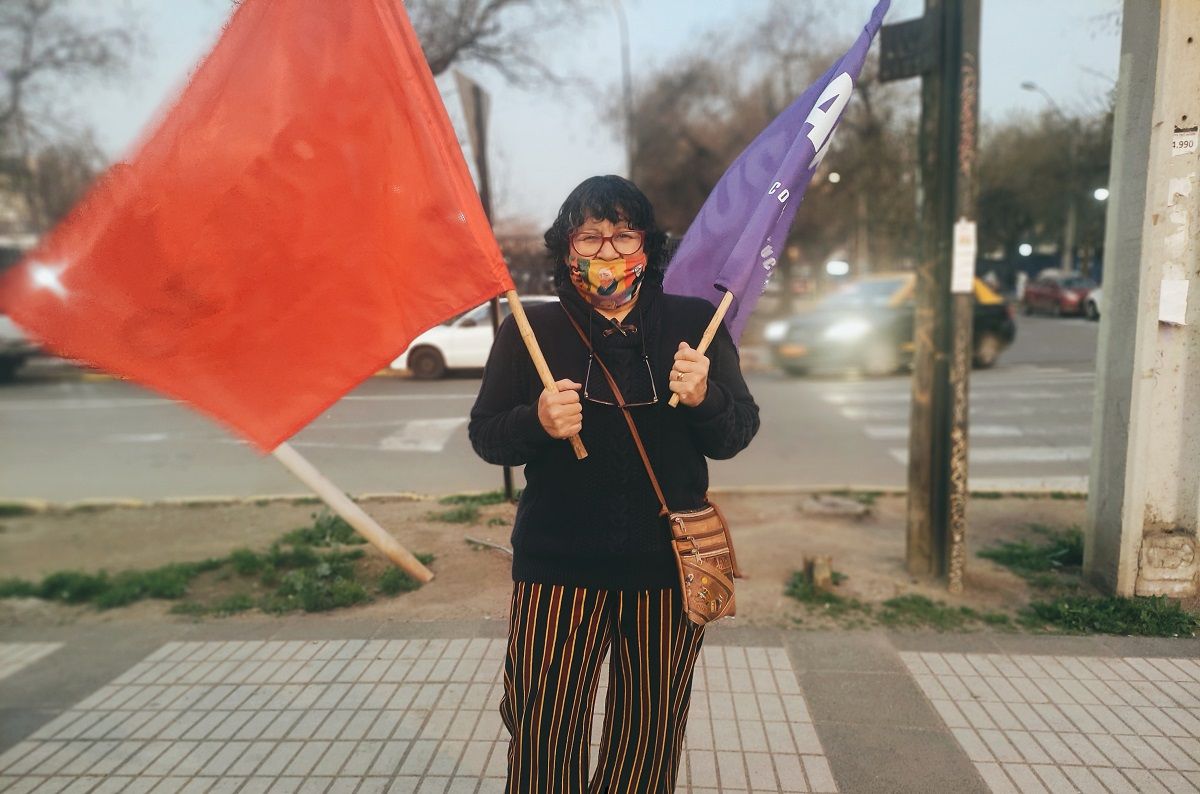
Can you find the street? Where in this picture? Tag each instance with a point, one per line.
(70, 439)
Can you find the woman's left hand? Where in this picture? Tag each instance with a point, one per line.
(689, 375)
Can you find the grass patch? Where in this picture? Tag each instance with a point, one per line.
(800, 588)
(906, 611)
(477, 499)
(15, 510)
(73, 587)
(246, 562)
(307, 569)
(1051, 561)
(497, 521)
(17, 588)
(917, 611)
(168, 581)
(395, 581)
(327, 529)
(231, 605)
(463, 514)
(865, 498)
(1040, 563)
(1156, 616)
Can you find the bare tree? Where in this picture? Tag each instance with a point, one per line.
(496, 33)
(42, 44)
(693, 118)
(62, 171)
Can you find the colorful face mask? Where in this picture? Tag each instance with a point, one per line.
(607, 283)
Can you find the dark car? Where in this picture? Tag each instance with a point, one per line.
(15, 346)
(868, 325)
(1058, 293)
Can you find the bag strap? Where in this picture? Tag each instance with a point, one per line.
(637, 438)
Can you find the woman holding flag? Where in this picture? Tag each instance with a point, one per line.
(593, 569)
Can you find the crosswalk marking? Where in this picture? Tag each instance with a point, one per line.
(422, 435)
(15, 656)
(852, 398)
(888, 432)
(1014, 454)
(893, 432)
(1066, 483)
(1002, 411)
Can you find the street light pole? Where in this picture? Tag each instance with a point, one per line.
(1067, 260)
(627, 84)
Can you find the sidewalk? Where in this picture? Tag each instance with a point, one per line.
(333, 704)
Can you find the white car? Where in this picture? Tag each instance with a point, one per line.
(461, 343)
(1091, 305)
(15, 347)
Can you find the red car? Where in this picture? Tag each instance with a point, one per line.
(1058, 293)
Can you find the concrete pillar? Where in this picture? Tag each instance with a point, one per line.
(1144, 495)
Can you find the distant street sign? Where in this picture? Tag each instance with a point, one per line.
(910, 49)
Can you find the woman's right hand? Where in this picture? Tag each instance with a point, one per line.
(560, 412)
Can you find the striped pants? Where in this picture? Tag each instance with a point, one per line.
(558, 637)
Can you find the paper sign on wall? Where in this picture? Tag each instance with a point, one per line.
(962, 278)
(1172, 301)
(1183, 141)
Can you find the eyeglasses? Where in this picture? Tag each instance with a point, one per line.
(625, 242)
(649, 373)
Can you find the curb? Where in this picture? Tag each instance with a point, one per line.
(34, 506)
(88, 376)
(17, 507)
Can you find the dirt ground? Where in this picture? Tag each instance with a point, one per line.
(772, 533)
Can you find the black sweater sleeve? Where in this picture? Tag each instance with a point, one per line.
(726, 421)
(504, 427)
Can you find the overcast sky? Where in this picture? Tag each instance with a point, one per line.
(542, 145)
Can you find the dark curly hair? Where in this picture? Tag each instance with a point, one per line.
(610, 198)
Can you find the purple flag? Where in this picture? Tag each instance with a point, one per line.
(734, 242)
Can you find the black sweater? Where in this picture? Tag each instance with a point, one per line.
(595, 522)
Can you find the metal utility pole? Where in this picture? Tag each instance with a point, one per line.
(1143, 514)
(1067, 257)
(943, 48)
(627, 87)
(476, 105)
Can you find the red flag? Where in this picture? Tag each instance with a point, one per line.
(298, 217)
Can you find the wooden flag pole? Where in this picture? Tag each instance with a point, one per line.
(709, 333)
(539, 361)
(354, 515)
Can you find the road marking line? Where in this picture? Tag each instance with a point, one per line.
(883, 432)
(1014, 454)
(76, 404)
(976, 396)
(402, 397)
(422, 435)
(900, 431)
(882, 414)
(1075, 484)
(136, 438)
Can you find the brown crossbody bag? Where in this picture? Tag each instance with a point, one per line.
(699, 538)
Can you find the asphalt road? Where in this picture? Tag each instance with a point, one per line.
(64, 439)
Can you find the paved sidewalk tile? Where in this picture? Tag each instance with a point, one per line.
(15, 656)
(1063, 723)
(400, 715)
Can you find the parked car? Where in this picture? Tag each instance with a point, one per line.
(15, 345)
(868, 324)
(15, 348)
(461, 343)
(1058, 293)
(1091, 304)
